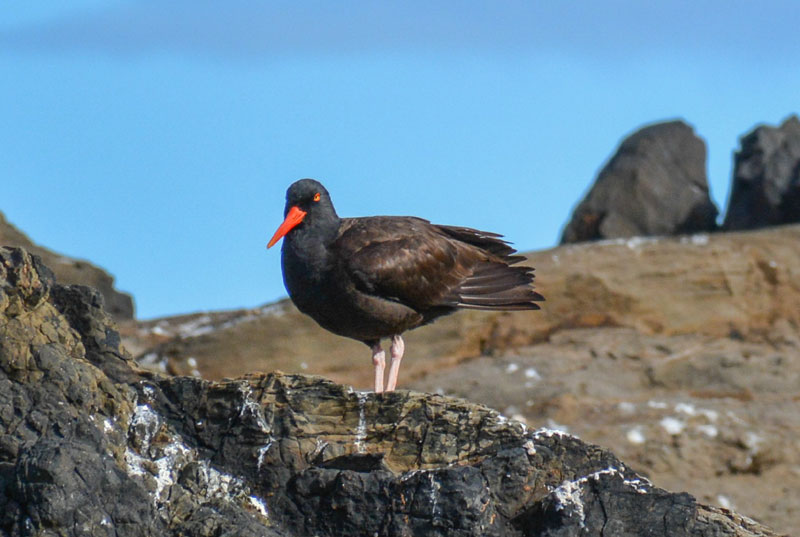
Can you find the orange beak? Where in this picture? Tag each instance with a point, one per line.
(294, 217)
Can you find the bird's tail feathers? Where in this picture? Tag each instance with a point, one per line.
(497, 286)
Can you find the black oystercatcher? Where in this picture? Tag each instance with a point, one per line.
(376, 277)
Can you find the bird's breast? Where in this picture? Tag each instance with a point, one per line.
(327, 293)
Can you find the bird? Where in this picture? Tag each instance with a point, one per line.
(373, 278)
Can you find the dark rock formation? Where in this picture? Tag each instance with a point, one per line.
(90, 445)
(73, 271)
(655, 184)
(766, 178)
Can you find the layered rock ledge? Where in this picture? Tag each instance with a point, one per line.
(92, 445)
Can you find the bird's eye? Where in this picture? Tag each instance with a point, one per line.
(317, 196)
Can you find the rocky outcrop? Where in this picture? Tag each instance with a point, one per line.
(91, 445)
(681, 354)
(73, 271)
(766, 178)
(655, 184)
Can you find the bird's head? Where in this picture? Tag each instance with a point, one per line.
(306, 201)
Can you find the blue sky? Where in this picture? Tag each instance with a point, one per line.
(157, 139)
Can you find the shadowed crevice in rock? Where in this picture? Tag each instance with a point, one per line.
(90, 445)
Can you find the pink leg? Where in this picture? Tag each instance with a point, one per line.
(379, 361)
(394, 368)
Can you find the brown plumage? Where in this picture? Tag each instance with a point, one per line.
(376, 277)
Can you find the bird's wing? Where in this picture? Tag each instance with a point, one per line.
(404, 259)
(424, 266)
(485, 240)
(493, 284)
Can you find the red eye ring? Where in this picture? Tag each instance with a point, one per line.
(317, 196)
